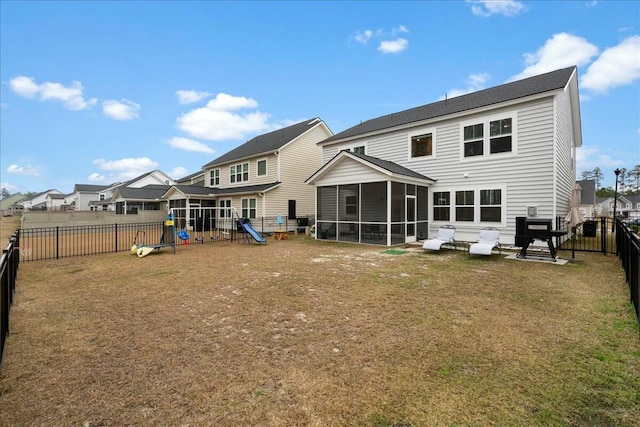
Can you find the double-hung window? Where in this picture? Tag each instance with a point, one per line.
(249, 208)
(491, 205)
(500, 136)
(464, 206)
(225, 211)
(239, 173)
(474, 140)
(214, 178)
(490, 136)
(441, 205)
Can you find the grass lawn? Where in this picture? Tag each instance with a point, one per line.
(306, 333)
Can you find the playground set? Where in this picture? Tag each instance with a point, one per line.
(170, 235)
(167, 239)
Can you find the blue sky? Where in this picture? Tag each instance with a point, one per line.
(99, 92)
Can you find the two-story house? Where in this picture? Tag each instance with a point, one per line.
(262, 178)
(473, 161)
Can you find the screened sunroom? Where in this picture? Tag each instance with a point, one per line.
(377, 202)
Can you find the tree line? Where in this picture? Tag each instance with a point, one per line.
(628, 181)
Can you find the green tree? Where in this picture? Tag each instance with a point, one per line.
(5, 193)
(634, 178)
(586, 175)
(597, 176)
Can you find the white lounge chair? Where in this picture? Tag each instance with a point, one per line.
(446, 235)
(489, 239)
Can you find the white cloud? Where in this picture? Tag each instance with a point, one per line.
(123, 169)
(23, 170)
(71, 96)
(496, 7)
(190, 145)
(120, 110)
(474, 83)
(224, 102)
(617, 66)
(96, 177)
(393, 46)
(178, 172)
(191, 96)
(400, 29)
(217, 121)
(364, 36)
(12, 189)
(561, 50)
(587, 158)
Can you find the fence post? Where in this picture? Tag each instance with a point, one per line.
(57, 242)
(116, 231)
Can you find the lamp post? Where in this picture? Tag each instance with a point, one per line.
(615, 200)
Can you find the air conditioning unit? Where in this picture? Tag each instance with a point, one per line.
(532, 210)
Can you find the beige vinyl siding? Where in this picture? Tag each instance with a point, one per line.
(298, 161)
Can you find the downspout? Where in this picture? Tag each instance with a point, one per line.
(262, 202)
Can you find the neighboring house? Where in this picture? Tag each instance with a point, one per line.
(479, 160)
(627, 206)
(143, 192)
(263, 177)
(9, 205)
(588, 202)
(130, 200)
(59, 202)
(101, 197)
(196, 178)
(39, 201)
(84, 195)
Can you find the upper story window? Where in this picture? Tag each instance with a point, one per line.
(261, 168)
(214, 178)
(239, 173)
(474, 140)
(498, 139)
(358, 149)
(500, 136)
(102, 197)
(422, 145)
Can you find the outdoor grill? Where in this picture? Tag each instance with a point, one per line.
(537, 229)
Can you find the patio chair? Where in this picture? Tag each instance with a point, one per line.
(489, 239)
(446, 235)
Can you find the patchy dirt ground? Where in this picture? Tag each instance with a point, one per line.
(308, 333)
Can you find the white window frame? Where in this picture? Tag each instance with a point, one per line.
(266, 167)
(214, 181)
(225, 208)
(476, 205)
(486, 145)
(352, 146)
(418, 132)
(233, 176)
(248, 208)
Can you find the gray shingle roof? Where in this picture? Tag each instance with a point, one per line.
(588, 193)
(392, 167)
(265, 143)
(90, 188)
(149, 192)
(521, 88)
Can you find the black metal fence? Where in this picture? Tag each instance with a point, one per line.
(62, 242)
(9, 270)
(594, 235)
(628, 250)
